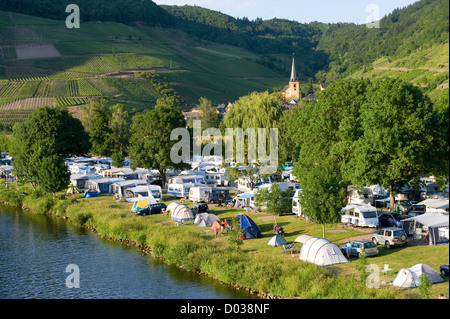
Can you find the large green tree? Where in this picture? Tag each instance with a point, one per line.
(47, 134)
(401, 138)
(317, 129)
(150, 144)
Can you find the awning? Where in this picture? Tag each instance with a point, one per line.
(246, 195)
(435, 203)
(431, 220)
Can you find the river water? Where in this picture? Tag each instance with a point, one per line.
(35, 251)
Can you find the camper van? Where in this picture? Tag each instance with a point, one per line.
(185, 179)
(360, 215)
(199, 194)
(180, 190)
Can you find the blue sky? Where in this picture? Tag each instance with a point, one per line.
(305, 11)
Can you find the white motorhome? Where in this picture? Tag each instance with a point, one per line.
(360, 215)
(180, 190)
(144, 191)
(185, 179)
(199, 194)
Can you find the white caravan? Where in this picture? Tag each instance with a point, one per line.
(360, 215)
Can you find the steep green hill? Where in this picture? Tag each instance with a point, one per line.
(41, 58)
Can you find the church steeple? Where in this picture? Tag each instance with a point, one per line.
(293, 72)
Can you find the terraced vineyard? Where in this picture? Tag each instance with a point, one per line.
(40, 59)
(17, 111)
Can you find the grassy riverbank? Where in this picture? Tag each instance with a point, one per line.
(256, 267)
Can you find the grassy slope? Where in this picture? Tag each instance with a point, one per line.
(197, 68)
(427, 68)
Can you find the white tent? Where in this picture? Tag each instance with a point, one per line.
(321, 252)
(182, 213)
(410, 277)
(205, 220)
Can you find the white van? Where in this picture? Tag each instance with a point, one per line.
(199, 194)
(360, 215)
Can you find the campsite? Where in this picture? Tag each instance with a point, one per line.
(267, 270)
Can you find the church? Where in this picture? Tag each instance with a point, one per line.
(292, 92)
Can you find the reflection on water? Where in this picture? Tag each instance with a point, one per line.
(35, 251)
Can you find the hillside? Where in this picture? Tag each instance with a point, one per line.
(191, 52)
(41, 58)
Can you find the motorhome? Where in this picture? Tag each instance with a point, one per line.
(144, 191)
(180, 190)
(200, 194)
(360, 215)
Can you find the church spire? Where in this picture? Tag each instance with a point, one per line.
(293, 72)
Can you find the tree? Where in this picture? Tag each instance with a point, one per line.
(47, 133)
(120, 128)
(275, 200)
(400, 140)
(209, 116)
(150, 143)
(316, 127)
(251, 172)
(53, 175)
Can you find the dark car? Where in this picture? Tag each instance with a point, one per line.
(200, 208)
(444, 270)
(156, 208)
(390, 219)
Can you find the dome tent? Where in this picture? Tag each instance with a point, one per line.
(276, 241)
(248, 226)
(321, 252)
(410, 277)
(182, 213)
(205, 219)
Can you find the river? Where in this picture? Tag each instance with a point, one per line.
(36, 250)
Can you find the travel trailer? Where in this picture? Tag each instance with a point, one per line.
(360, 215)
(360, 196)
(180, 190)
(144, 191)
(199, 194)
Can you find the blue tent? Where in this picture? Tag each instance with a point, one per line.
(250, 229)
(276, 241)
(91, 193)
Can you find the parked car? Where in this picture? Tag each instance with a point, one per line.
(444, 270)
(156, 208)
(391, 236)
(390, 219)
(359, 247)
(200, 208)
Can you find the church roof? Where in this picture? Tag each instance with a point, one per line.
(293, 72)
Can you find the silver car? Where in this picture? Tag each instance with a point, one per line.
(359, 247)
(391, 236)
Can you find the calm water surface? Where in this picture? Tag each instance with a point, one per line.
(35, 251)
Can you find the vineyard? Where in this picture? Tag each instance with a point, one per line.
(17, 111)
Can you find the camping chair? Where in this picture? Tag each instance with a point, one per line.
(289, 248)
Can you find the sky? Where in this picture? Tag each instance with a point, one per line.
(304, 11)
